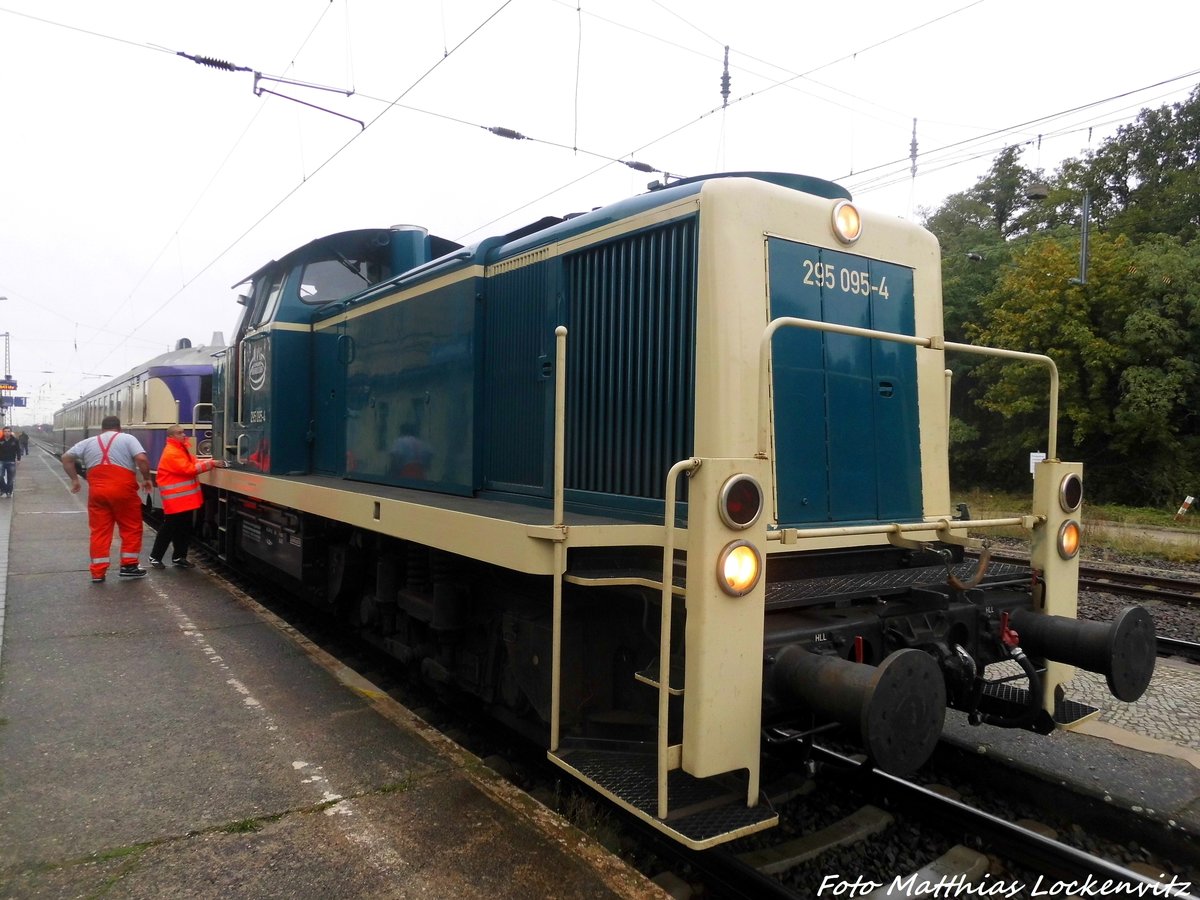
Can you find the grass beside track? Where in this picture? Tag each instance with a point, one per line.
(1133, 534)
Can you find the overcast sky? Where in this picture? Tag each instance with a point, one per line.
(137, 186)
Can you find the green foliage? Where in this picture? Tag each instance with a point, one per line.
(1124, 342)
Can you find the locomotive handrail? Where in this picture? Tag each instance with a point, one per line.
(934, 343)
(196, 426)
(790, 535)
(664, 627)
(560, 551)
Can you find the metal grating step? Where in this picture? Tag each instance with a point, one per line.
(1066, 712)
(783, 594)
(703, 813)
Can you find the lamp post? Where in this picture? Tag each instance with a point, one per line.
(7, 373)
(1039, 191)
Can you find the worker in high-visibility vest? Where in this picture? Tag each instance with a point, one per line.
(181, 497)
(113, 461)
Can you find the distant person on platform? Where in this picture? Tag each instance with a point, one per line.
(10, 453)
(24, 439)
(113, 461)
(180, 492)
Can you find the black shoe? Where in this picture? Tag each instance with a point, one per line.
(156, 563)
(132, 572)
(97, 579)
(183, 564)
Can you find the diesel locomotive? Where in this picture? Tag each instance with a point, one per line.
(660, 483)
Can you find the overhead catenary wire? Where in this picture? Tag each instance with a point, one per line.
(927, 165)
(889, 173)
(391, 105)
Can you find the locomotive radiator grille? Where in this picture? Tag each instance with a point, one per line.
(785, 594)
(630, 378)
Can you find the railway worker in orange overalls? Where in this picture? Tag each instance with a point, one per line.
(181, 497)
(113, 460)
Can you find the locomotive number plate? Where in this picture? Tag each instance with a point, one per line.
(840, 278)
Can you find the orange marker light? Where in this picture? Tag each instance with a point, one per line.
(1069, 539)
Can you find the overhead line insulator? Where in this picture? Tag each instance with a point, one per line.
(507, 133)
(213, 63)
(725, 81)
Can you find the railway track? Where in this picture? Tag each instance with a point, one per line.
(1186, 650)
(1184, 592)
(1181, 591)
(984, 854)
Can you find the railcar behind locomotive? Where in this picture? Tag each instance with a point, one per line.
(657, 482)
(172, 388)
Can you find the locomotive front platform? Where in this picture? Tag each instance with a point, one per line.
(161, 737)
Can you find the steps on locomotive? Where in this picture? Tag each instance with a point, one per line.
(1009, 700)
(702, 811)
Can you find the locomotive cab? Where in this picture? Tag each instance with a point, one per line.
(279, 381)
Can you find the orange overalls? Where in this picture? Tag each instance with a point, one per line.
(113, 495)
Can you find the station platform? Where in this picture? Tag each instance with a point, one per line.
(164, 737)
(1143, 757)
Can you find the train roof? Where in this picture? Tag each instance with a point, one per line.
(525, 239)
(541, 232)
(182, 360)
(344, 242)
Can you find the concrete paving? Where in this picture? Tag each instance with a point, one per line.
(1142, 756)
(162, 737)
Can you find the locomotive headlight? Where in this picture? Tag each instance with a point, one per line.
(738, 568)
(847, 224)
(741, 502)
(1070, 493)
(1069, 539)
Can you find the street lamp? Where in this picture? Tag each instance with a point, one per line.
(1039, 191)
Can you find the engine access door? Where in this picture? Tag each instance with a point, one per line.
(847, 435)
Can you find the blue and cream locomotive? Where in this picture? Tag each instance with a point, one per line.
(652, 481)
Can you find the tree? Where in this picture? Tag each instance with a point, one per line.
(1129, 374)
(1145, 180)
(1125, 343)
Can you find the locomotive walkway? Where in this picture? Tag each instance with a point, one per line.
(160, 737)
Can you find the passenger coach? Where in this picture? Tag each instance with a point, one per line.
(174, 388)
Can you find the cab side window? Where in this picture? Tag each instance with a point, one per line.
(333, 279)
(269, 301)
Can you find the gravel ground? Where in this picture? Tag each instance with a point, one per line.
(1170, 619)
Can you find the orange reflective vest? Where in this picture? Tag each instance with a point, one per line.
(176, 477)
